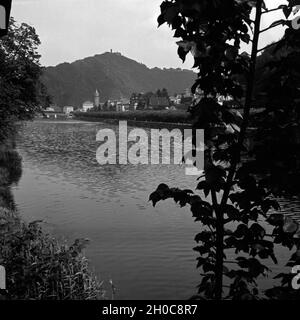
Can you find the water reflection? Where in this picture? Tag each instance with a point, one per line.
(147, 252)
(10, 173)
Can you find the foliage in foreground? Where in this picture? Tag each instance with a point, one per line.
(38, 267)
(241, 191)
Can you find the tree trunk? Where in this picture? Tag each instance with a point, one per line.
(219, 209)
(220, 248)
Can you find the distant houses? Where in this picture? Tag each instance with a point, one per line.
(87, 105)
(53, 108)
(49, 109)
(120, 105)
(123, 105)
(53, 112)
(160, 100)
(158, 103)
(68, 109)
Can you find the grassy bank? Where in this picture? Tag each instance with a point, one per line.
(37, 266)
(166, 116)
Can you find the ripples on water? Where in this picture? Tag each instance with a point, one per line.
(146, 251)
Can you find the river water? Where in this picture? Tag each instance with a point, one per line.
(146, 251)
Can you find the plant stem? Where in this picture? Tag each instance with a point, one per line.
(236, 156)
(247, 107)
(219, 247)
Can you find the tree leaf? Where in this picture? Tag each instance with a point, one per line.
(290, 226)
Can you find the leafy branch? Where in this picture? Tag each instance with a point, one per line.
(243, 192)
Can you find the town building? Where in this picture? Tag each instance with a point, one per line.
(119, 107)
(53, 107)
(87, 105)
(68, 109)
(110, 105)
(122, 105)
(158, 103)
(125, 103)
(97, 99)
(138, 101)
(172, 99)
(178, 98)
(53, 112)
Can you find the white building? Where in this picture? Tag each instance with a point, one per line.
(178, 99)
(172, 99)
(68, 109)
(87, 106)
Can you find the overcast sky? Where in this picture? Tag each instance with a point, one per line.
(74, 29)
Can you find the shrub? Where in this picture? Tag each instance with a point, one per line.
(38, 267)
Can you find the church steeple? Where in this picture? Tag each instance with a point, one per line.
(97, 98)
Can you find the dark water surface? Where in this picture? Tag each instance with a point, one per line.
(146, 251)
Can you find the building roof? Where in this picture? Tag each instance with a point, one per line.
(125, 101)
(56, 108)
(88, 102)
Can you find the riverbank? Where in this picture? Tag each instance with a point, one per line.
(64, 185)
(139, 118)
(150, 118)
(38, 267)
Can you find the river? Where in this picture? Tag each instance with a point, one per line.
(146, 251)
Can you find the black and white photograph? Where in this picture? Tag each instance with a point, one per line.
(149, 151)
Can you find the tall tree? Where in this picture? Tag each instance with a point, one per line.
(241, 197)
(21, 91)
(164, 93)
